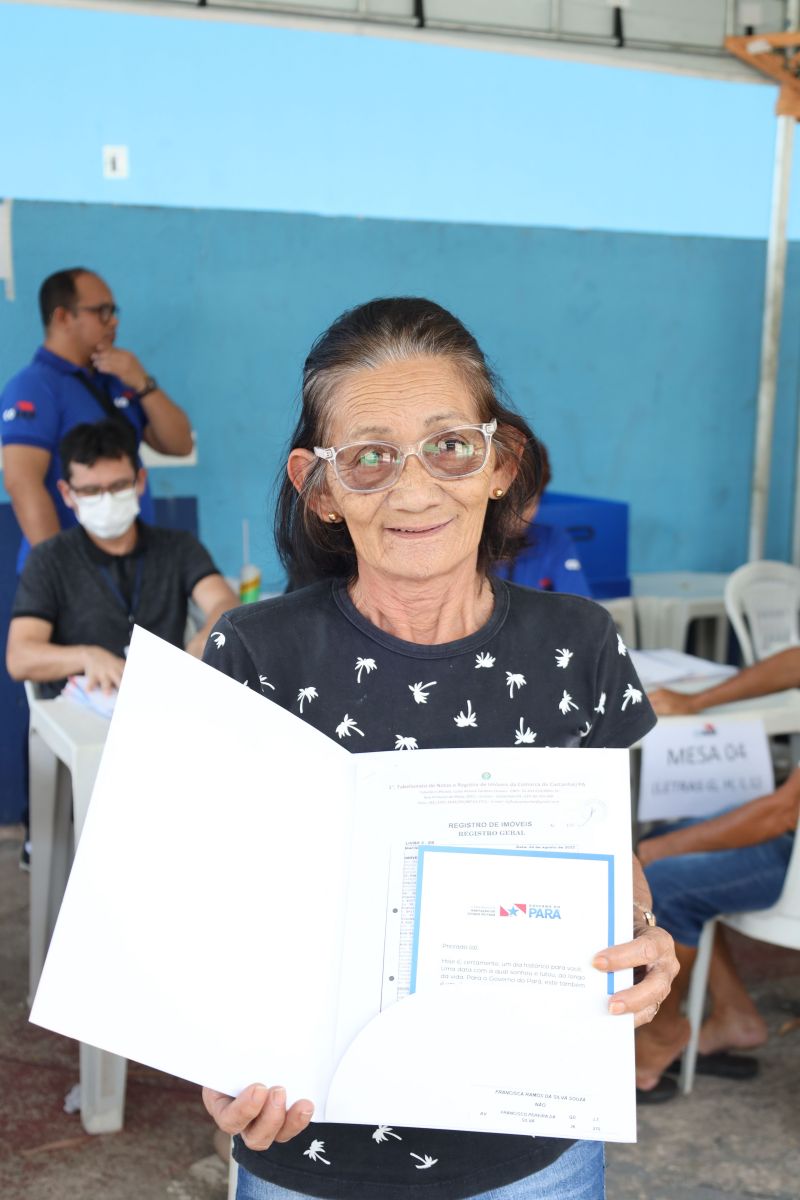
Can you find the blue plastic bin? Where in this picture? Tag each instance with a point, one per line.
(599, 529)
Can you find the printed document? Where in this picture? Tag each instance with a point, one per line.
(407, 936)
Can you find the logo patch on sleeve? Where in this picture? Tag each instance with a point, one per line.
(23, 408)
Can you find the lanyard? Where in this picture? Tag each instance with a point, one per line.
(131, 608)
(101, 395)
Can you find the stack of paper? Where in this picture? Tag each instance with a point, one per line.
(660, 668)
(95, 698)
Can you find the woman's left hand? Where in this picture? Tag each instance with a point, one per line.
(651, 954)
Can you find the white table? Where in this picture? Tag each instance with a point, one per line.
(65, 746)
(668, 601)
(779, 712)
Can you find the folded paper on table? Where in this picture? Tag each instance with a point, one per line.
(78, 691)
(235, 914)
(660, 668)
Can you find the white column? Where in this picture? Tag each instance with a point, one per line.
(771, 328)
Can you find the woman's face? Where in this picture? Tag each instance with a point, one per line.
(420, 527)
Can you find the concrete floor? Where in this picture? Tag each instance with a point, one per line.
(737, 1141)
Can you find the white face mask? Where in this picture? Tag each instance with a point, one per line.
(108, 515)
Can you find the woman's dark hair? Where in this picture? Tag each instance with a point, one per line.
(87, 443)
(364, 338)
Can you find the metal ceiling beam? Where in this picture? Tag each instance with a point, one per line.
(673, 59)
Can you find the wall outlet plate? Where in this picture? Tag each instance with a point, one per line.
(115, 162)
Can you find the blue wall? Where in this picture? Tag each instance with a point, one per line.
(635, 356)
(220, 114)
(473, 177)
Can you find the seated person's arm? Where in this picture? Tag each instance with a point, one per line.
(213, 595)
(774, 674)
(31, 655)
(24, 471)
(757, 821)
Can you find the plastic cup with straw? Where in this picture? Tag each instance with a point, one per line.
(250, 576)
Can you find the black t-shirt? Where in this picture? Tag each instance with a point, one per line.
(545, 670)
(92, 598)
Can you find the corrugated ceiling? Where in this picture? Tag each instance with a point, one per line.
(682, 35)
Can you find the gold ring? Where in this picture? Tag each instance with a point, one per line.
(658, 1006)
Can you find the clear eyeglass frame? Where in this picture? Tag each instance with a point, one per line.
(330, 454)
(117, 491)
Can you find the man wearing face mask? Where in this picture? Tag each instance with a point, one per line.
(81, 591)
(78, 375)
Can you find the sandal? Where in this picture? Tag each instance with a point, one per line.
(722, 1064)
(666, 1089)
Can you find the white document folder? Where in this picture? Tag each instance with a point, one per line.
(241, 909)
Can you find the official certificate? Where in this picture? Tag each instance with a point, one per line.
(504, 879)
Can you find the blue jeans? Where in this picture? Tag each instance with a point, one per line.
(690, 889)
(579, 1174)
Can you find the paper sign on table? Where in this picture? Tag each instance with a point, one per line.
(696, 767)
(235, 914)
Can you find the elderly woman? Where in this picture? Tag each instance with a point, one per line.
(404, 484)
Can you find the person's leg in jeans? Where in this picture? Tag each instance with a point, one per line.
(689, 890)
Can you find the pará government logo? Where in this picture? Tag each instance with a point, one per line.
(546, 912)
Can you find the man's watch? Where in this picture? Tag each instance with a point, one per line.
(150, 385)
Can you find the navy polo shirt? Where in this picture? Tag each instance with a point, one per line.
(41, 403)
(549, 562)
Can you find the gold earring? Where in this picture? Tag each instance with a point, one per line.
(333, 517)
(498, 492)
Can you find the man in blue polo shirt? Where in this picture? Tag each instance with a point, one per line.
(77, 376)
(548, 561)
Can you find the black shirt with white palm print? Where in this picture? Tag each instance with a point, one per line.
(545, 670)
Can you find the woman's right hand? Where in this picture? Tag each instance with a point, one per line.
(672, 704)
(259, 1114)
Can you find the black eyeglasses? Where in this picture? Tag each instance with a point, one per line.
(104, 312)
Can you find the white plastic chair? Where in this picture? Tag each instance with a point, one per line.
(779, 925)
(623, 614)
(65, 746)
(763, 600)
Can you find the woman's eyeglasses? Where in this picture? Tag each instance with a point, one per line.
(373, 466)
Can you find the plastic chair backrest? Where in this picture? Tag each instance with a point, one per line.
(789, 900)
(762, 600)
(780, 924)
